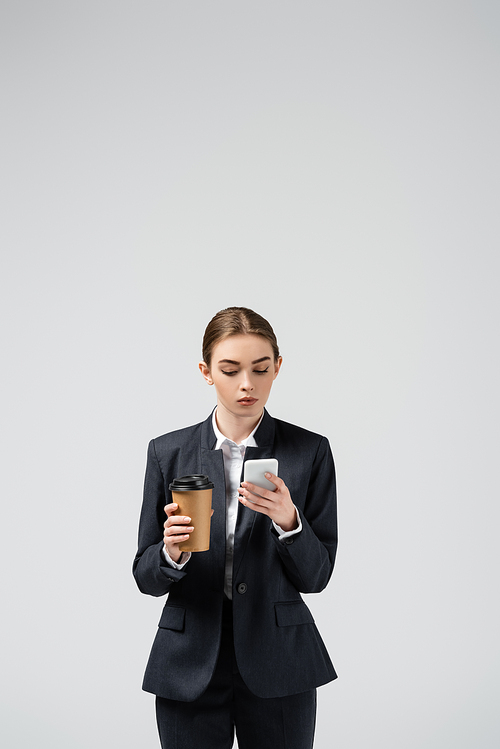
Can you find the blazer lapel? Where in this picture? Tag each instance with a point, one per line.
(264, 436)
(212, 465)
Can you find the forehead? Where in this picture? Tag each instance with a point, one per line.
(242, 348)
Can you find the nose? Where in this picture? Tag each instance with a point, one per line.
(246, 383)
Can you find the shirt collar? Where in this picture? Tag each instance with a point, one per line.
(247, 442)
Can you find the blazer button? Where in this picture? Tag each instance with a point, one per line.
(289, 541)
(242, 588)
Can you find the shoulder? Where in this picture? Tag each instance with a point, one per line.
(295, 435)
(177, 438)
(298, 449)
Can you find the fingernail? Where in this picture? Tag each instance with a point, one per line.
(187, 520)
(267, 475)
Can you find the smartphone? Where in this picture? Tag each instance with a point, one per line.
(254, 470)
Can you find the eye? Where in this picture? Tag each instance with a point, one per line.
(261, 371)
(228, 373)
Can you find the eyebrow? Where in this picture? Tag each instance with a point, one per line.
(237, 363)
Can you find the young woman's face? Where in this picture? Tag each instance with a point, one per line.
(243, 370)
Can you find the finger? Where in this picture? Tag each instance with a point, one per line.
(255, 499)
(257, 490)
(279, 483)
(175, 540)
(178, 530)
(176, 520)
(175, 528)
(254, 506)
(171, 508)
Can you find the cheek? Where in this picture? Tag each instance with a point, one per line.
(223, 387)
(268, 384)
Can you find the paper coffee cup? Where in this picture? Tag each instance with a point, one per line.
(193, 494)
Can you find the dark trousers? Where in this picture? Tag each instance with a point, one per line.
(210, 721)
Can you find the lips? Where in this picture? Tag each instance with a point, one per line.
(248, 401)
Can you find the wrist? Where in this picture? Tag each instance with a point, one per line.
(290, 523)
(174, 554)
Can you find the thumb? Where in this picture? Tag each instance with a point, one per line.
(171, 508)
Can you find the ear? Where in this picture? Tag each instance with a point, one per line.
(205, 372)
(277, 366)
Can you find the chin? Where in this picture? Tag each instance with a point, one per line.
(253, 411)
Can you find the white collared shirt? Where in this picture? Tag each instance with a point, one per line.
(233, 456)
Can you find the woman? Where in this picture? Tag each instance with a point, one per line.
(236, 645)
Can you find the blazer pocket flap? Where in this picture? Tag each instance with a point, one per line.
(172, 617)
(292, 612)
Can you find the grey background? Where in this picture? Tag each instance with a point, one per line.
(333, 165)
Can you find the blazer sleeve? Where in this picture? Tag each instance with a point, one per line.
(309, 556)
(152, 573)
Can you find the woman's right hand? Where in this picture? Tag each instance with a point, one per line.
(176, 531)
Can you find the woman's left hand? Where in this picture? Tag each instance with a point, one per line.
(276, 504)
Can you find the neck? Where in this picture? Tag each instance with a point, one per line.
(233, 427)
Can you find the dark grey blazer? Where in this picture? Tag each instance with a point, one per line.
(279, 650)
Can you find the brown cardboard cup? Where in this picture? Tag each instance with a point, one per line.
(193, 494)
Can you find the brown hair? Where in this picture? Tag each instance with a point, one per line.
(235, 321)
